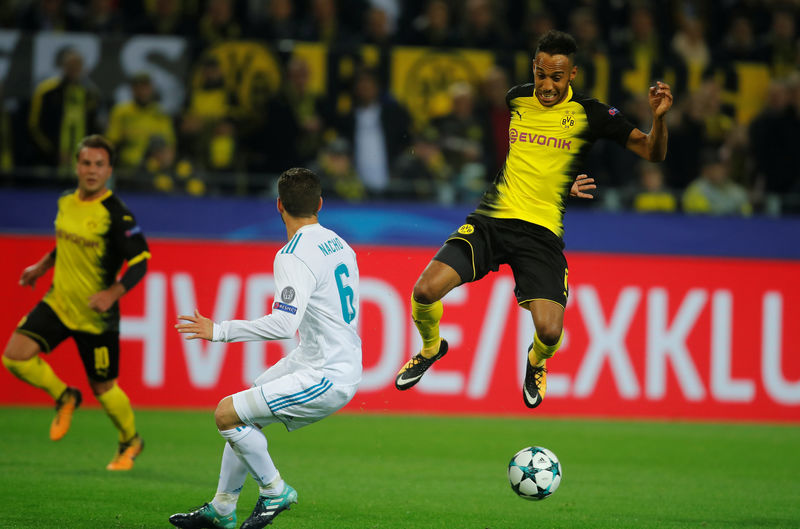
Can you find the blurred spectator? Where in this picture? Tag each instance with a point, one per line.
(774, 134)
(714, 193)
(378, 128)
(537, 23)
(377, 28)
(218, 24)
(336, 172)
(321, 23)
(209, 103)
(164, 174)
(309, 109)
(392, 9)
(6, 137)
(781, 46)
(165, 17)
(462, 133)
(273, 20)
(482, 27)
(134, 124)
(222, 154)
(434, 27)
(739, 43)
(63, 110)
(101, 17)
(271, 132)
(689, 44)
(592, 55)
(494, 110)
(640, 42)
(650, 193)
(49, 15)
(422, 171)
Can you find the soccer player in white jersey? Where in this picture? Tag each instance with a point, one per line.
(316, 292)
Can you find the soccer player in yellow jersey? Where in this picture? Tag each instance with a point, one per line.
(95, 234)
(519, 219)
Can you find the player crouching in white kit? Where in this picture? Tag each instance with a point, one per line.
(316, 293)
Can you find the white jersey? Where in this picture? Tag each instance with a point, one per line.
(316, 292)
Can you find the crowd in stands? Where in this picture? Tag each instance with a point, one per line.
(732, 151)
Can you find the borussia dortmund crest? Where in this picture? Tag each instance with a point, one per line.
(568, 119)
(466, 229)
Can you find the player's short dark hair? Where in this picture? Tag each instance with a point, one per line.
(556, 42)
(299, 190)
(96, 141)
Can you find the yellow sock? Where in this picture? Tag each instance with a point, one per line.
(118, 408)
(426, 318)
(541, 352)
(38, 373)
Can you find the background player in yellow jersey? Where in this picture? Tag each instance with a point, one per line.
(95, 234)
(519, 219)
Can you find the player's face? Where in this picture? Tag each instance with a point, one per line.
(551, 77)
(94, 170)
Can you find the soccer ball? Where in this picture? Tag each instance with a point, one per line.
(534, 473)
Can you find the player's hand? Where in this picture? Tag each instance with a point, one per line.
(102, 301)
(581, 184)
(198, 327)
(30, 275)
(660, 97)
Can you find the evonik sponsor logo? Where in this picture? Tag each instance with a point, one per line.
(515, 136)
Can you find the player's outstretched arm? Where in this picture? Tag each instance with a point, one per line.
(35, 271)
(582, 184)
(198, 326)
(653, 146)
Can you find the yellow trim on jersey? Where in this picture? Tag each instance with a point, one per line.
(141, 257)
(471, 250)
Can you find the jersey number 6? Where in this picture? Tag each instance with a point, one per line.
(346, 294)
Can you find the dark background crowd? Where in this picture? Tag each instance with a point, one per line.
(734, 129)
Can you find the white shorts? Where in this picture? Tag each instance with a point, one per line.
(294, 396)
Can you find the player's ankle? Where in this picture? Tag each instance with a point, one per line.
(430, 351)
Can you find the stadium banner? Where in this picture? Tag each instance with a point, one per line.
(646, 336)
(30, 58)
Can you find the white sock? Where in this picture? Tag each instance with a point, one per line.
(232, 474)
(251, 446)
(274, 488)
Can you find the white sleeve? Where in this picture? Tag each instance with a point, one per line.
(294, 284)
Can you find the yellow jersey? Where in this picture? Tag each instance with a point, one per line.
(93, 239)
(547, 146)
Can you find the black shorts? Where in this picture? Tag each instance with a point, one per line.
(534, 253)
(99, 352)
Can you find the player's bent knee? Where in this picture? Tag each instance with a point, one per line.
(426, 293)
(225, 415)
(549, 335)
(101, 387)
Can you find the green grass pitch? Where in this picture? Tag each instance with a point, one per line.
(382, 471)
